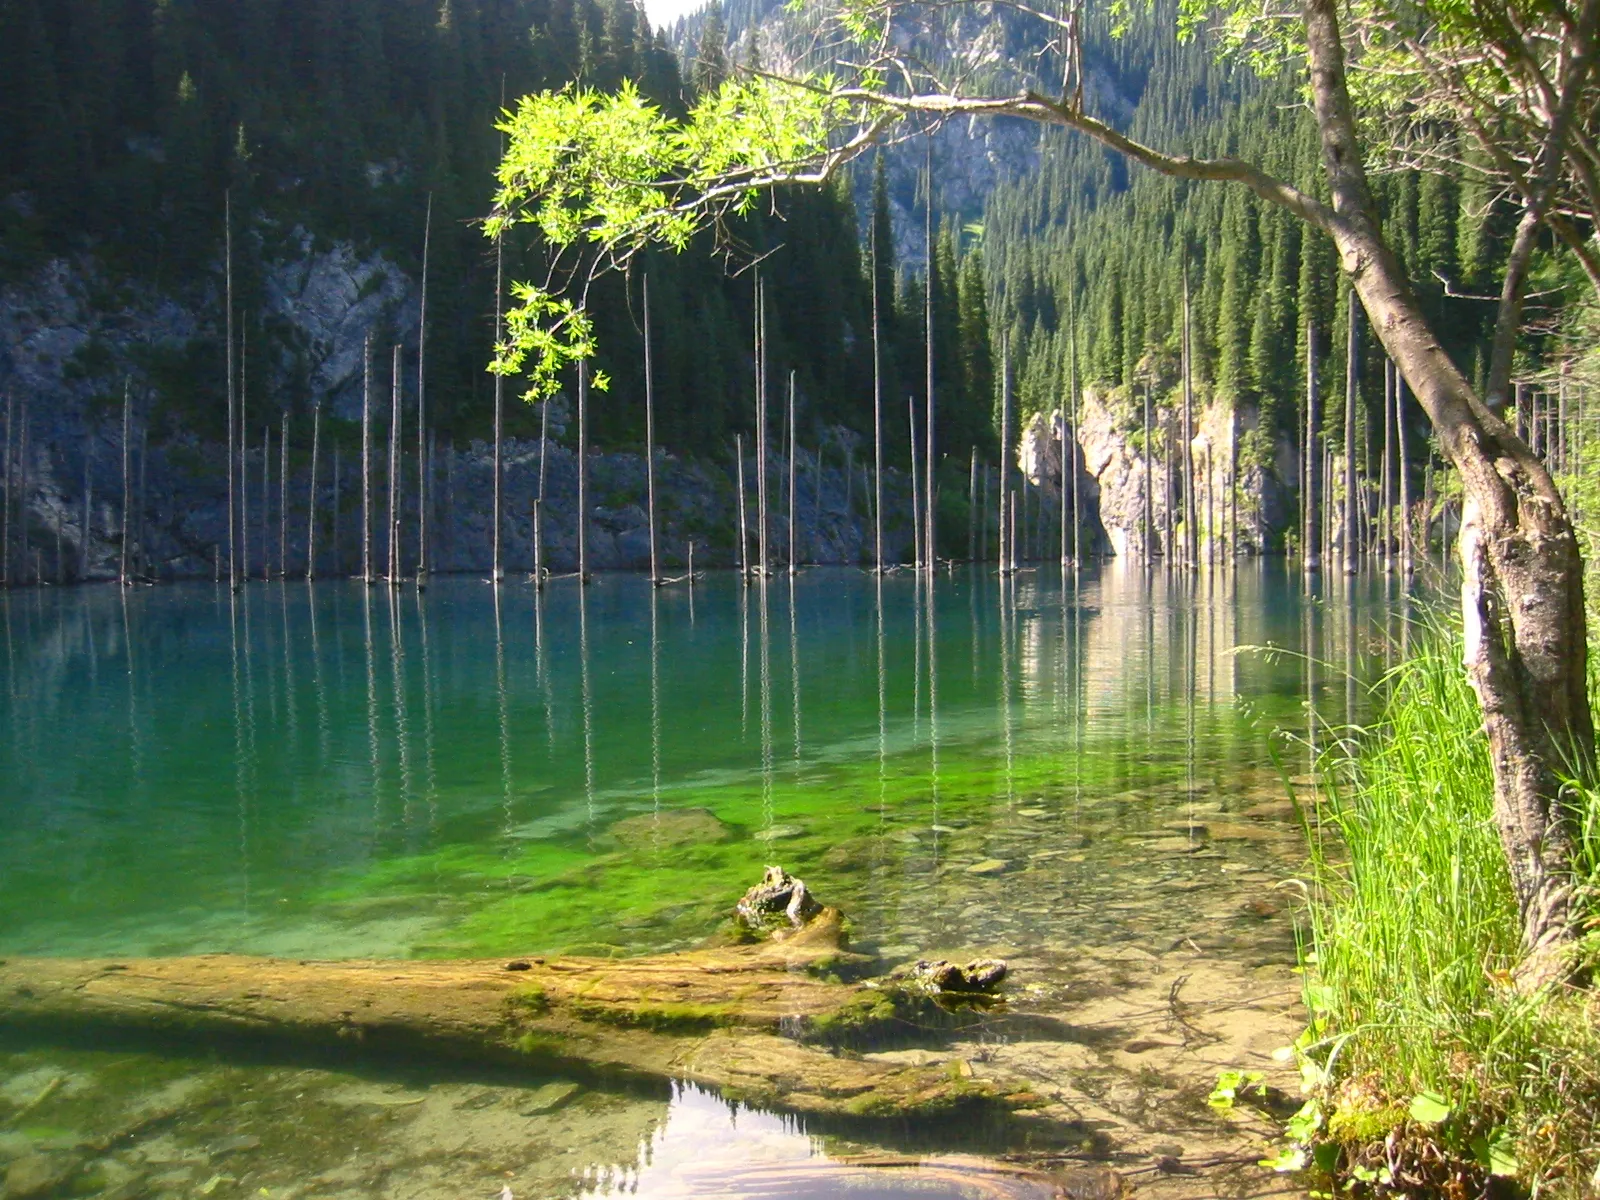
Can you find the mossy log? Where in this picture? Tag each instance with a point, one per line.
(752, 1021)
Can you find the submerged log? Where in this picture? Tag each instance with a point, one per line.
(758, 1022)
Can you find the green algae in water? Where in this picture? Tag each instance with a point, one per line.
(328, 771)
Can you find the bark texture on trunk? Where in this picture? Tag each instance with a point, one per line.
(1522, 574)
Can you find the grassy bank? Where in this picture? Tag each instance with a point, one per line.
(1431, 1073)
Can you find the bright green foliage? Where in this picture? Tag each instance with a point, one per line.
(613, 174)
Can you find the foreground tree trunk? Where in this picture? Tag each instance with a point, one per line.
(1522, 574)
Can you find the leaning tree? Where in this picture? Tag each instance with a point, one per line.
(601, 177)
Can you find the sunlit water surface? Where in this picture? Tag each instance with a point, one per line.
(1061, 771)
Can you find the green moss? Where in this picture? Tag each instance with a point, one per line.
(543, 1045)
(661, 1018)
(530, 1000)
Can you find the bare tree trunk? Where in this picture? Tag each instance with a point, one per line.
(929, 547)
(649, 441)
(142, 561)
(1313, 455)
(366, 463)
(22, 492)
(1149, 480)
(244, 458)
(127, 494)
(424, 458)
(761, 427)
(1190, 542)
(916, 506)
(311, 495)
(395, 387)
(495, 572)
(338, 516)
(6, 501)
(983, 515)
(283, 498)
(794, 566)
(1007, 562)
(266, 502)
(1072, 399)
(744, 537)
(1386, 486)
(1351, 393)
(88, 502)
(1405, 486)
(877, 414)
(1522, 574)
(233, 408)
(583, 474)
(972, 508)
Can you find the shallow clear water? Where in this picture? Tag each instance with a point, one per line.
(1059, 771)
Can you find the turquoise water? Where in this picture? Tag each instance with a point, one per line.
(189, 770)
(1088, 776)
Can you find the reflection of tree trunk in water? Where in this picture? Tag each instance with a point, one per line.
(503, 714)
(402, 715)
(765, 684)
(655, 701)
(430, 771)
(372, 717)
(744, 537)
(933, 700)
(290, 703)
(241, 803)
(324, 733)
(586, 694)
(233, 408)
(794, 673)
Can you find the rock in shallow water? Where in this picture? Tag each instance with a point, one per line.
(777, 897)
(979, 975)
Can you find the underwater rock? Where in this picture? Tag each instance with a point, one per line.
(980, 975)
(989, 866)
(675, 827)
(779, 895)
(36, 1175)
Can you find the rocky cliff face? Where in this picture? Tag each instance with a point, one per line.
(70, 344)
(1112, 476)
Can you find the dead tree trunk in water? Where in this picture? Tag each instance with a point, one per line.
(495, 572)
(127, 494)
(744, 541)
(649, 441)
(1351, 395)
(6, 500)
(1007, 561)
(311, 495)
(928, 517)
(233, 407)
(424, 458)
(794, 565)
(1190, 535)
(394, 470)
(877, 419)
(283, 498)
(1312, 537)
(583, 473)
(366, 462)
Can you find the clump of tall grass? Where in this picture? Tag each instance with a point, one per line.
(1431, 1070)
